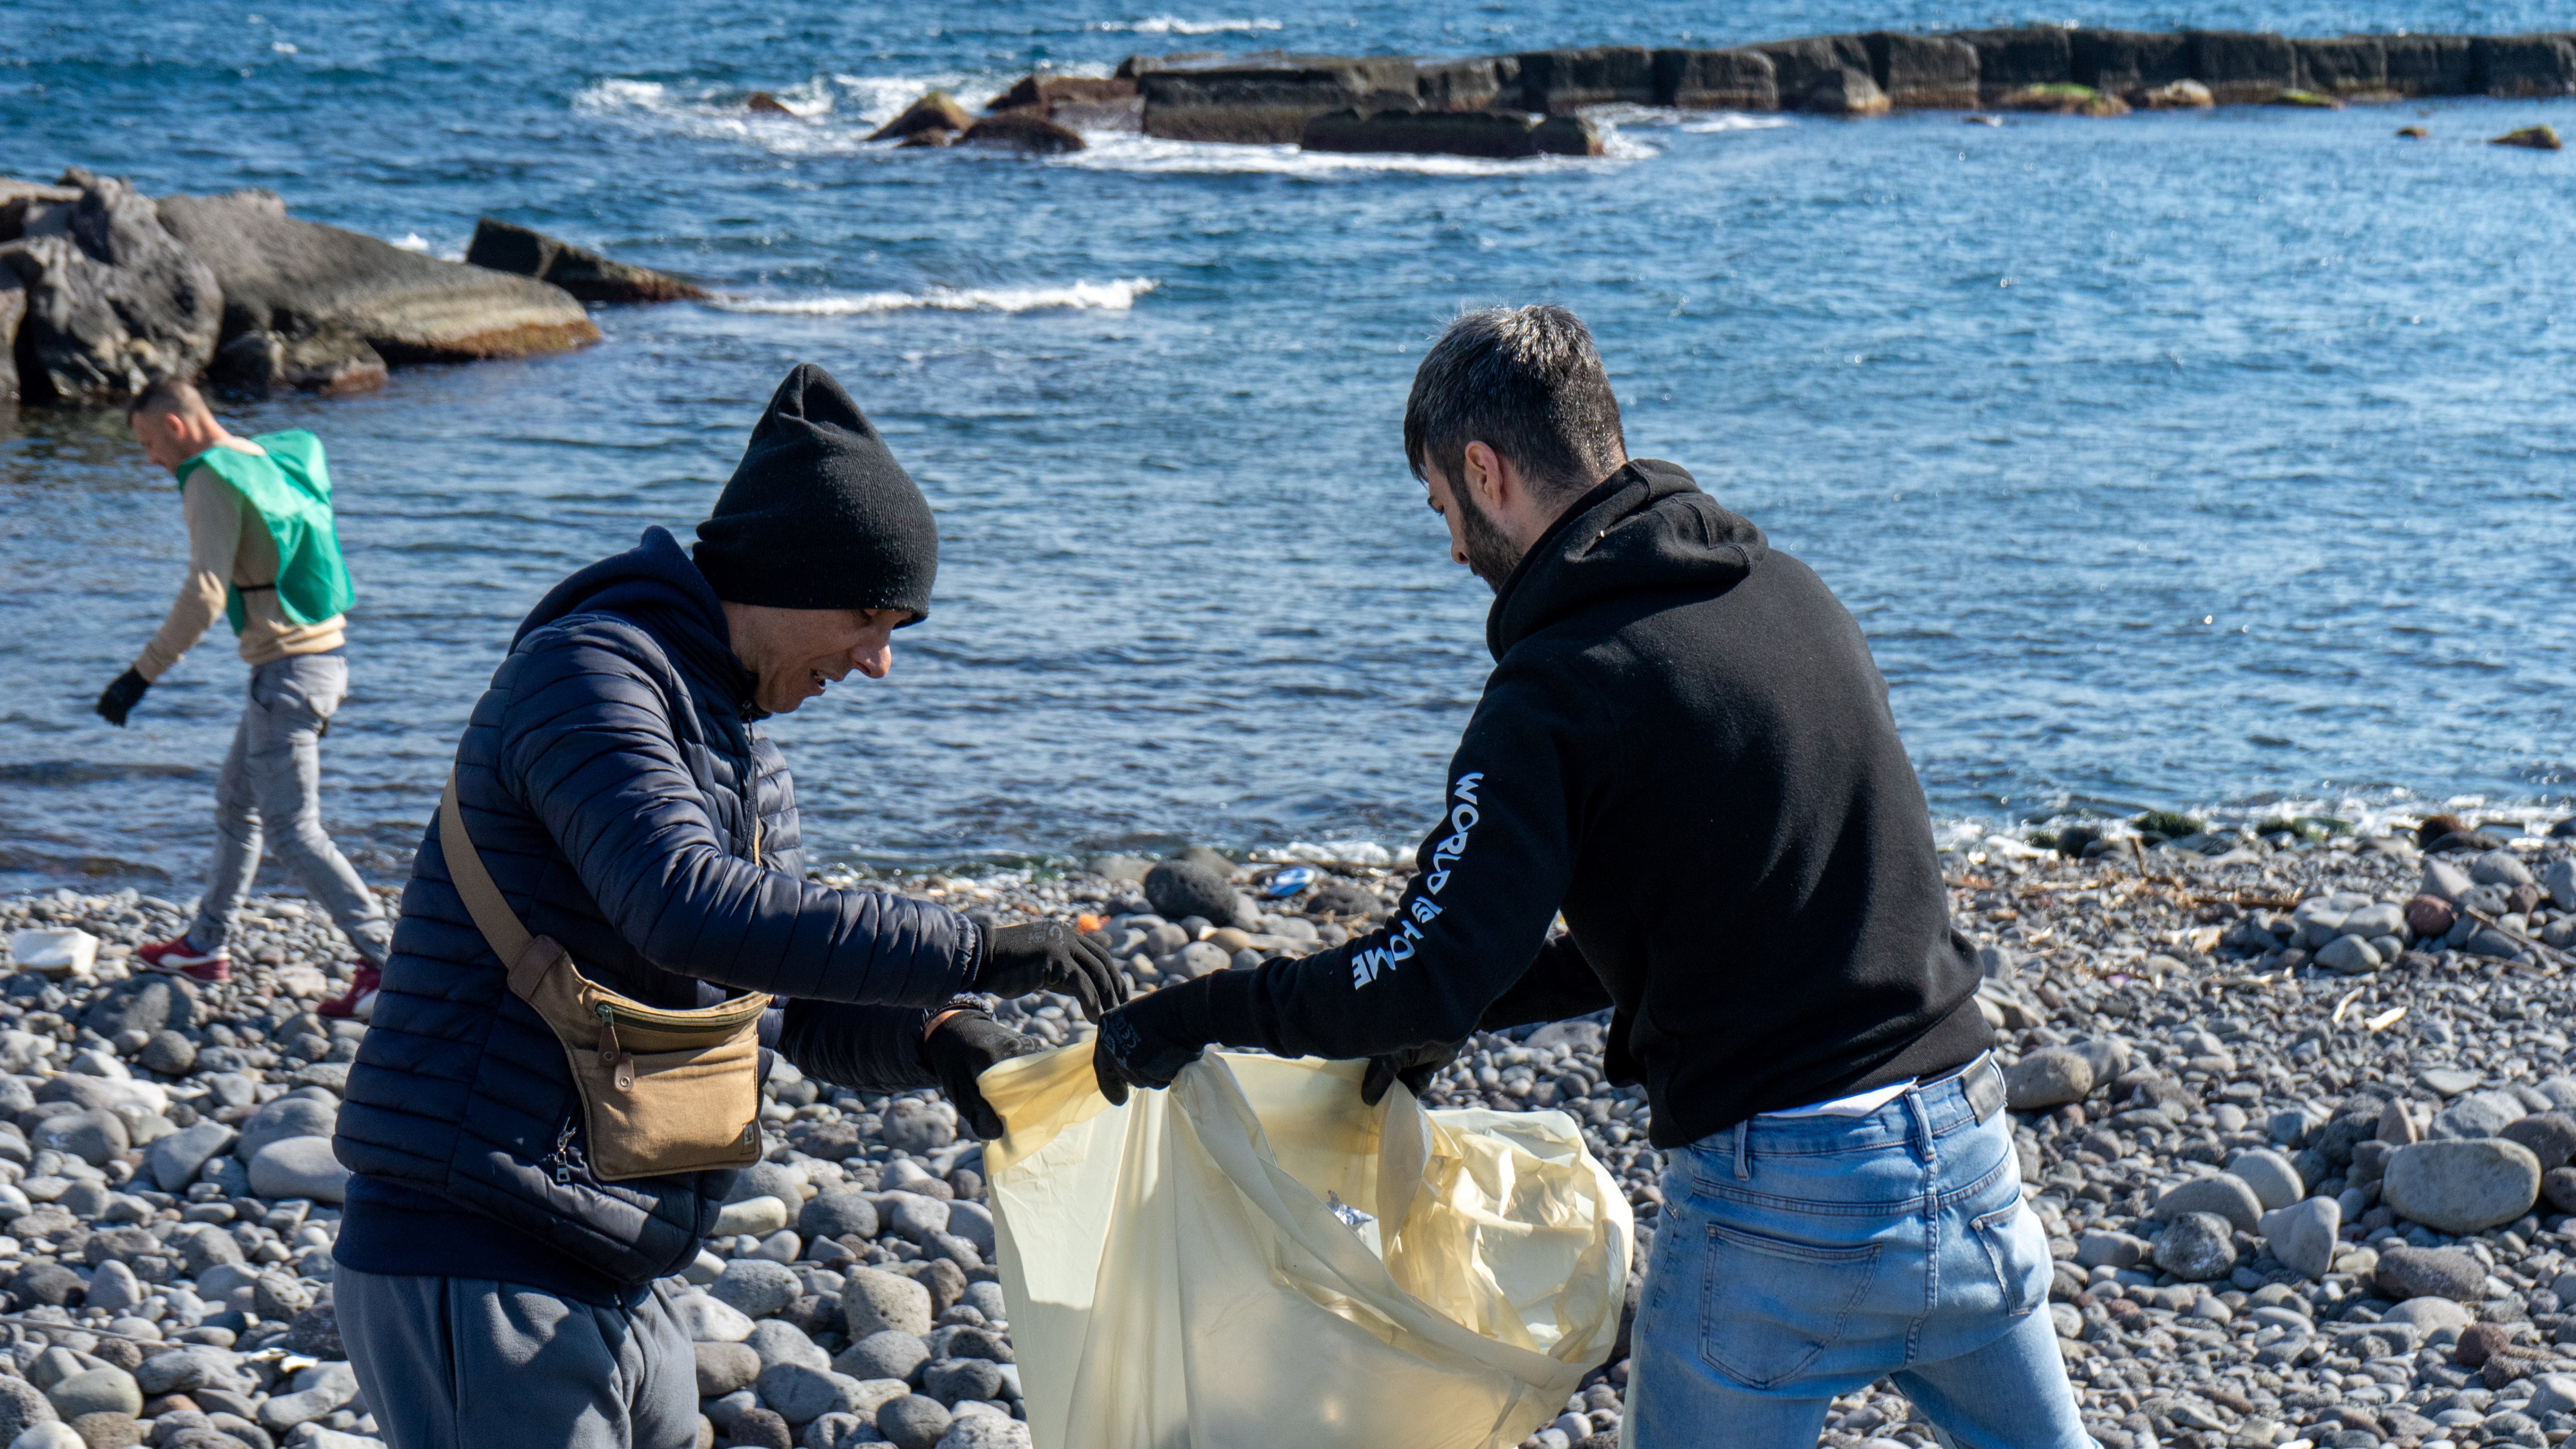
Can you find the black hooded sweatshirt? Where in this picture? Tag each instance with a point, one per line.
(1686, 748)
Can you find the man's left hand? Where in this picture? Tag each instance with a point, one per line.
(960, 1048)
(1146, 1042)
(119, 699)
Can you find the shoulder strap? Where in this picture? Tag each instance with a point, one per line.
(492, 915)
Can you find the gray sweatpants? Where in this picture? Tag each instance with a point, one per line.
(467, 1363)
(272, 778)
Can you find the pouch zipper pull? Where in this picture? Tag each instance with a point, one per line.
(623, 1066)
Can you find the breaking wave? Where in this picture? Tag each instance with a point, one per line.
(1174, 25)
(1115, 296)
(1121, 151)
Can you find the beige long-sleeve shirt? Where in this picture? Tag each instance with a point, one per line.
(227, 543)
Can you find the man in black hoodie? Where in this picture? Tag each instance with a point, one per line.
(617, 788)
(1686, 749)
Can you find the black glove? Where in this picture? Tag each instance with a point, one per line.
(120, 698)
(1051, 956)
(959, 1049)
(1413, 1066)
(1146, 1042)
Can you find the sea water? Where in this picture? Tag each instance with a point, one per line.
(2215, 460)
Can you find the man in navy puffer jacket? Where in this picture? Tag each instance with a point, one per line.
(617, 785)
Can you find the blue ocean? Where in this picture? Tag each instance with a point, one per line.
(2216, 460)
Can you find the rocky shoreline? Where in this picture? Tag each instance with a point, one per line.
(2296, 1114)
(104, 290)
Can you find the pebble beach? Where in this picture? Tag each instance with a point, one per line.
(2297, 1190)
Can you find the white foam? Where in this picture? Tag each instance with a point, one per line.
(1116, 151)
(1174, 25)
(1720, 121)
(1332, 852)
(412, 241)
(1117, 296)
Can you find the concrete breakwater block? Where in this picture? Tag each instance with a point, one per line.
(1718, 80)
(1436, 133)
(1560, 82)
(1268, 101)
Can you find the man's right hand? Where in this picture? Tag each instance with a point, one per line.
(1051, 956)
(1413, 1066)
(119, 698)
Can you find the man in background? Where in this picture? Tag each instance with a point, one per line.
(263, 552)
(1686, 748)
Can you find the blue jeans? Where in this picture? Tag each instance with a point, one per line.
(1802, 1258)
(270, 792)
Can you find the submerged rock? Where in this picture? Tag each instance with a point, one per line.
(935, 111)
(1438, 133)
(2535, 138)
(1024, 131)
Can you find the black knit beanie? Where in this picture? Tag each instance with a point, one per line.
(819, 515)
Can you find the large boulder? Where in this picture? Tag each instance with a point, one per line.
(148, 1004)
(301, 280)
(1178, 889)
(524, 251)
(291, 1116)
(1924, 72)
(2518, 66)
(1268, 100)
(2462, 1186)
(1716, 80)
(13, 310)
(1447, 133)
(112, 301)
(2243, 67)
(1561, 82)
(2020, 57)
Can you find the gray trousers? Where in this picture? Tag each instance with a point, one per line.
(466, 1363)
(272, 778)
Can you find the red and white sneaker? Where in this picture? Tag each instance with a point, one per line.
(178, 957)
(361, 1000)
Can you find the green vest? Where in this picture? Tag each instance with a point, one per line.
(290, 490)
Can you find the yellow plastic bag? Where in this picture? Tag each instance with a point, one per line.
(1178, 1277)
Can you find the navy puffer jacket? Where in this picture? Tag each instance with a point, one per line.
(610, 779)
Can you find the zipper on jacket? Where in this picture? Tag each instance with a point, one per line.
(562, 1157)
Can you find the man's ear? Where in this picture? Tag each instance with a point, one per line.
(1484, 476)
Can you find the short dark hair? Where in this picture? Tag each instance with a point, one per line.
(166, 395)
(1524, 381)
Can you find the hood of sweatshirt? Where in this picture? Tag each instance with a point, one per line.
(657, 586)
(1646, 528)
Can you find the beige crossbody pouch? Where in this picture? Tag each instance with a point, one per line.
(661, 1091)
